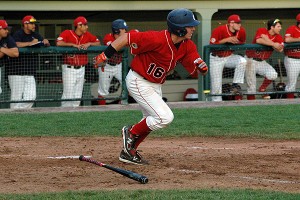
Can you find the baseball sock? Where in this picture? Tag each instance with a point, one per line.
(101, 102)
(265, 84)
(140, 128)
(140, 139)
(290, 95)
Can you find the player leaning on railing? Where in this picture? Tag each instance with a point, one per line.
(292, 57)
(156, 54)
(257, 64)
(8, 46)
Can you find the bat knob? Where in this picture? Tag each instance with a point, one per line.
(144, 180)
(81, 157)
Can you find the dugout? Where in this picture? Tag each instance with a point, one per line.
(150, 15)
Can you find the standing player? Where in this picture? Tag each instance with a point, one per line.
(257, 58)
(113, 67)
(21, 73)
(292, 57)
(8, 45)
(73, 70)
(230, 33)
(156, 54)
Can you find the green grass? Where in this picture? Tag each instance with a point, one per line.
(276, 121)
(159, 195)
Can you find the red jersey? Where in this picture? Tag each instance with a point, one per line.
(292, 31)
(156, 54)
(263, 55)
(70, 36)
(223, 32)
(117, 57)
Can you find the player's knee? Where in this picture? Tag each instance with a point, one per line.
(272, 76)
(167, 119)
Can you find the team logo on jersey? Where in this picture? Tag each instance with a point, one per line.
(134, 45)
(213, 40)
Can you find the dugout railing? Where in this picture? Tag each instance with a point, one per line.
(48, 75)
(204, 82)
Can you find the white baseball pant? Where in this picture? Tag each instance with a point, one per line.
(22, 88)
(258, 67)
(73, 81)
(106, 77)
(216, 66)
(149, 96)
(292, 67)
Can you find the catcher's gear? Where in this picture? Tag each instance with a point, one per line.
(99, 60)
(202, 67)
(180, 18)
(117, 25)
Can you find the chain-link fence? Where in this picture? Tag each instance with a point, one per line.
(54, 76)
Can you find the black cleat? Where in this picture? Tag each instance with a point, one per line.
(136, 159)
(128, 140)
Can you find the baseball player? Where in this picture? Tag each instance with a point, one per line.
(292, 57)
(230, 33)
(257, 58)
(113, 66)
(8, 46)
(73, 70)
(156, 54)
(21, 73)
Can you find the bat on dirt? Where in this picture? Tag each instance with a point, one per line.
(137, 177)
(281, 85)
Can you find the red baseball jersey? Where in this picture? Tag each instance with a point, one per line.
(155, 54)
(223, 32)
(264, 55)
(292, 31)
(117, 57)
(70, 36)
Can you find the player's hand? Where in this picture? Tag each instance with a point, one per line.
(202, 67)
(99, 60)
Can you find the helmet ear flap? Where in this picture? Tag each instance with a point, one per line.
(179, 31)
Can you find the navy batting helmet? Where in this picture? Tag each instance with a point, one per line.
(117, 25)
(180, 18)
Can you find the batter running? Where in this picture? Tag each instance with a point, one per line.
(156, 54)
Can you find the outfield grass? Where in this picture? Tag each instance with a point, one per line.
(273, 122)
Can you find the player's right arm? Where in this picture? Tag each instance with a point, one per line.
(289, 36)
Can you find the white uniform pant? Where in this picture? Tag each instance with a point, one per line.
(292, 67)
(216, 66)
(106, 77)
(149, 96)
(73, 80)
(258, 67)
(22, 88)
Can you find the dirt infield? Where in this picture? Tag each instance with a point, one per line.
(32, 165)
(45, 164)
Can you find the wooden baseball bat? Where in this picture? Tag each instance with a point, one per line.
(137, 177)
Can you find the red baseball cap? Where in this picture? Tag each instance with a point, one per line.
(80, 20)
(3, 24)
(234, 18)
(28, 19)
(298, 18)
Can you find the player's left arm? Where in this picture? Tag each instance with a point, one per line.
(193, 62)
